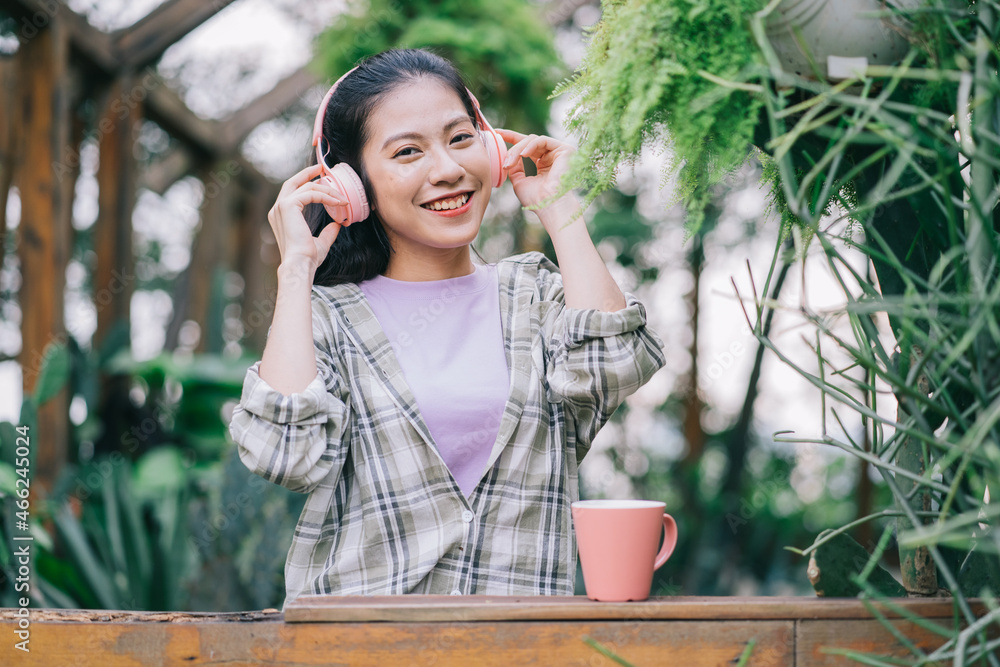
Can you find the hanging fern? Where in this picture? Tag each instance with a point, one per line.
(647, 80)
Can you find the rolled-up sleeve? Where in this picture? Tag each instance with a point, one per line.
(299, 439)
(595, 359)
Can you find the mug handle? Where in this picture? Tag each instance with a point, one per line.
(669, 541)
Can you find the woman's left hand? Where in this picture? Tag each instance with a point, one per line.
(551, 158)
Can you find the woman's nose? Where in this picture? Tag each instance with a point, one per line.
(445, 168)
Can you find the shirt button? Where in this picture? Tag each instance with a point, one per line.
(468, 516)
(456, 592)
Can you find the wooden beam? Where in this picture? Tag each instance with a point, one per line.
(100, 56)
(166, 108)
(142, 43)
(219, 138)
(203, 642)
(167, 170)
(34, 16)
(287, 92)
(370, 608)
(44, 235)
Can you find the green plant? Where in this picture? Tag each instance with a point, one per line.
(146, 525)
(119, 543)
(652, 76)
(504, 48)
(185, 400)
(907, 156)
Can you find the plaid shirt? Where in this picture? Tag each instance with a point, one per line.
(384, 514)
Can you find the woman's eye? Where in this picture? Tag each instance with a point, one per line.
(462, 137)
(405, 152)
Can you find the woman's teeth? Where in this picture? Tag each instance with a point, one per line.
(448, 204)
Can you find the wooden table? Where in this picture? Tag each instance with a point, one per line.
(476, 630)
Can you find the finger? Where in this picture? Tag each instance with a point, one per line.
(293, 204)
(516, 150)
(513, 167)
(536, 148)
(315, 187)
(319, 186)
(515, 176)
(302, 177)
(327, 236)
(510, 136)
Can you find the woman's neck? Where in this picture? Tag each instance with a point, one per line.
(439, 264)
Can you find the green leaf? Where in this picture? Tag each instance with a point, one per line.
(94, 574)
(159, 472)
(7, 479)
(833, 566)
(29, 415)
(8, 438)
(980, 575)
(54, 372)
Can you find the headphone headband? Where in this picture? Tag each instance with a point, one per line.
(318, 123)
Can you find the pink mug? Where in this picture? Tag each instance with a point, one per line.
(617, 541)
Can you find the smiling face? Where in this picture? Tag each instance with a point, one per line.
(430, 173)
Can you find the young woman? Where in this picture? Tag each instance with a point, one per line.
(435, 409)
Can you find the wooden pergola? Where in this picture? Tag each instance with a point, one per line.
(62, 63)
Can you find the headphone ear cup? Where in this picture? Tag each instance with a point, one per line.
(339, 214)
(497, 150)
(348, 184)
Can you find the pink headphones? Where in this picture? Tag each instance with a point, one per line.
(342, 177)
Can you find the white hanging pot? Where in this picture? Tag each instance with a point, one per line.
(842, 36)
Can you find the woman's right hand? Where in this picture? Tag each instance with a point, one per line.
(296, 243)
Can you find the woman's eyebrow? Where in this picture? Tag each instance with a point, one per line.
(457, 120)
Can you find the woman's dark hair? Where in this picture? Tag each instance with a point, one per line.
(362, 249)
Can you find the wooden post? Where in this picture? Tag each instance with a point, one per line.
(7, 158)
(193, 298)
(44, 232)
(258, 292)
(114, 275)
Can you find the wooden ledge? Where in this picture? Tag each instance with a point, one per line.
(486, 631)
(121, 616)
(422, 608)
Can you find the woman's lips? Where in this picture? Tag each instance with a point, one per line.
(452, 212)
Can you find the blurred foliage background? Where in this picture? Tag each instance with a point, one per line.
(152, 509)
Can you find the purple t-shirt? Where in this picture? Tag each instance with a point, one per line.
(448, 339)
